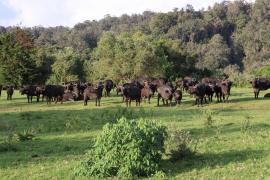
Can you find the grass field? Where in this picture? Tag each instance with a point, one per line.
(236, 147)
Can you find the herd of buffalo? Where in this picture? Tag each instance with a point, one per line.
(136, 90)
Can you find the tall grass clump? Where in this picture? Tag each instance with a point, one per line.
(127, 148)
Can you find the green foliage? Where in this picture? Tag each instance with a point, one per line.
(127, 56)
(127, 148)
(215, 55)
(180, 145)
(16, 49)
(246, 125)
(26, 135)
(264, 71)
(63, 69)
(183, 42)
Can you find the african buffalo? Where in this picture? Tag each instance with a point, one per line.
(31, 91)
(10, 91)
(108, 86)
(131, 92)
(54, 91)
(260, 84)
(92, 92)
(178, 96)
(146, 93)
(199, 92)
(188, 81)
(166, 93)
(226, 89)
(209, 92)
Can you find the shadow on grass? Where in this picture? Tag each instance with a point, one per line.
(45, 150)
(211, 160)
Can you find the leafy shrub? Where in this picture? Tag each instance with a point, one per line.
(180, 145)
(246, 125)
(208, 116)
(127, 148)
(26, 135)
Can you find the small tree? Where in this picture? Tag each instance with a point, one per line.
(128, 148)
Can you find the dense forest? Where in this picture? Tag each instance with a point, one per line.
(229, 38)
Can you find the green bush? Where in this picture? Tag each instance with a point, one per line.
(26, 135)
(127, 148)
(180, 145)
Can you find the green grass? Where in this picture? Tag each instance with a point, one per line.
(64, 132)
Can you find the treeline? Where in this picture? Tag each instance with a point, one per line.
(229, 38)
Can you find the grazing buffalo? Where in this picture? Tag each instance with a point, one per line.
(226, 89)
(178, 96)
(260, 84)
(92, 92)
(54, 91)
(146, 93)
(199, 92)
(267, 95)
(10, 91)
(108, 86)
(166, 93)
(131, 92)
(1, 87)
(31, 91)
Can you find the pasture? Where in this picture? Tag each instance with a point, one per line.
(236, 146)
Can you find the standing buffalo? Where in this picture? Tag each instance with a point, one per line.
(93, 93)
(54, 91)
(188, 81)
(10, 91)
(260, 84)
(226, 89)
(166, 93)
(178, 96)
(108, 86)
(199, 91)
(131, 92)
(31, 91)
(146, 93)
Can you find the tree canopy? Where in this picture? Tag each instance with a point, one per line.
(175, 44)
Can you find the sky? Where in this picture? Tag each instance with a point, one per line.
(47, 13)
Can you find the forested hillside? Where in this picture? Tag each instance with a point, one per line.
(230, 38)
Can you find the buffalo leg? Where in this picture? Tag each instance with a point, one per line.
(158, 98)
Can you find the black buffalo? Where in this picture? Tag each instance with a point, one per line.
(187, 82)
(178, 96)
(31, 91)
(260, 84)
(131, 92)
(199, 92)
(108, 86)
(55, 92)
(10, 91)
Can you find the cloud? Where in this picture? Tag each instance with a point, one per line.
(70, 12)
